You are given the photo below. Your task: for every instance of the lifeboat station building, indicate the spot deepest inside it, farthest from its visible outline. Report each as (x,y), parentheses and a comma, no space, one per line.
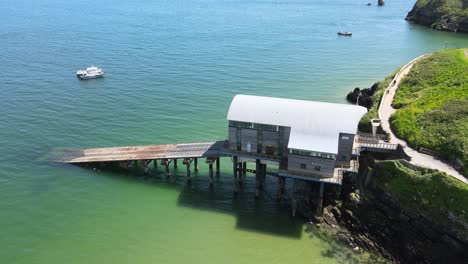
(304,140)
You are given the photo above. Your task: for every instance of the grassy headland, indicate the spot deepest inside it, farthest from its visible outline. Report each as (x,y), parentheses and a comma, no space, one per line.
(449,15)
(432,105)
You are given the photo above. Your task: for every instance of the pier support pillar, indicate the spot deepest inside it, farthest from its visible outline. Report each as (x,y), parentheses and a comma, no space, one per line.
(127,164)
(196,164)
(175,163)
(293,199)
(264,171)
(155,163)
(189,177)
(217,166)
(280,191)
(210,166)
(244,168)
(145,167)
(234,183)
(319,210)
(240,170)
(166,163)
(338,192)
(258,169)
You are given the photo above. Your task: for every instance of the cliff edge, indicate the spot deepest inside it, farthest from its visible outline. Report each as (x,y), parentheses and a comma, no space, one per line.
(447,15)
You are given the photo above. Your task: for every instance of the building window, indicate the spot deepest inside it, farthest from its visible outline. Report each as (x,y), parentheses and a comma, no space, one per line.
(265,127)
(312,154)
(317,168)
(344,157)
(345,137)
(303,166)
(241,124)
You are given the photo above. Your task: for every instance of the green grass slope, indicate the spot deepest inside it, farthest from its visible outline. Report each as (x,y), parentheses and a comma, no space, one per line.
(432,105)
(427,191)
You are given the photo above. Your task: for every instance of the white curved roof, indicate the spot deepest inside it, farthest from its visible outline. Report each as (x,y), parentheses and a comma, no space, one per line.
(315,126)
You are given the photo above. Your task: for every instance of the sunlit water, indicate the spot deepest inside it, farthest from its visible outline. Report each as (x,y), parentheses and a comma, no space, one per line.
(173,68)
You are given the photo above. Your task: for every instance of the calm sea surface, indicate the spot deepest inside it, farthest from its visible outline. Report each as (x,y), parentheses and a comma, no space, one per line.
(173,68)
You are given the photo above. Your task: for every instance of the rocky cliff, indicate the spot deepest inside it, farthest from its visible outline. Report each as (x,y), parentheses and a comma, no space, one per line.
(378,220)
(447,15)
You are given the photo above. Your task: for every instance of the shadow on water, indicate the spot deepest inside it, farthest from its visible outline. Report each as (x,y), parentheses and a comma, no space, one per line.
(263,215)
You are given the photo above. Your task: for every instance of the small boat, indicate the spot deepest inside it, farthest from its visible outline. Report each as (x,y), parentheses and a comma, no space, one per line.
(90,73)
(345,33)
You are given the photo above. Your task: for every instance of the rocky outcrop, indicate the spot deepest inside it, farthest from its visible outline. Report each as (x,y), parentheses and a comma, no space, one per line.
(377,222)
(441,14)
(362,97)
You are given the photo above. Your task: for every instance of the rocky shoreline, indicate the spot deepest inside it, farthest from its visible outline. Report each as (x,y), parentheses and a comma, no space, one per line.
(371,219)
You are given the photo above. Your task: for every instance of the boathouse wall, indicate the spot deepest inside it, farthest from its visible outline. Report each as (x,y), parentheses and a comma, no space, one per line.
(345,147)
(311,165)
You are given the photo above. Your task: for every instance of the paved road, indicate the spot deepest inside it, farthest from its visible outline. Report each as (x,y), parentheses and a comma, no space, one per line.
(386,110)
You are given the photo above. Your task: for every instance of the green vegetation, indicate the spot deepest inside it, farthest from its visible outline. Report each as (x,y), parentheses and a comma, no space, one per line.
(449,15)
(432,103)
(364,123)
(448,7)
(432,192)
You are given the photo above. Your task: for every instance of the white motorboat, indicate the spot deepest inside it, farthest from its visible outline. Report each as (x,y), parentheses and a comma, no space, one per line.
(90,73)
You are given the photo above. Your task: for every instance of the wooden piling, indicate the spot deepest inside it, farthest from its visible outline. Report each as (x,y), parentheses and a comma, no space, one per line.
(319,210)
(241,173)
(189,178)
(217,166)
(145,167)
(155,163)
(263,178)
(175,163)
(338,192)
(210,166)
(234,187)
(244,168)
(280,191)
(196,164)
(257,177)
(293,199)
(166,163)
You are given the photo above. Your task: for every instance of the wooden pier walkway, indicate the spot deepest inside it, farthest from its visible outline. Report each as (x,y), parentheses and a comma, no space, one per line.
(147,152)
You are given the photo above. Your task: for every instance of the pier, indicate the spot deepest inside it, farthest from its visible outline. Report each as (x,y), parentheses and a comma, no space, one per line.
(315,147)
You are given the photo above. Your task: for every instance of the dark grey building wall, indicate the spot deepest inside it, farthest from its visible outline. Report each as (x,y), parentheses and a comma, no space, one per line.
(233,138)
(249,136)
(270,138)
(327,166)
(345,147)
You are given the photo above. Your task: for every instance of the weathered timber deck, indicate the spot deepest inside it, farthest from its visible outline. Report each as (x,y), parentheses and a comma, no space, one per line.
(147,152)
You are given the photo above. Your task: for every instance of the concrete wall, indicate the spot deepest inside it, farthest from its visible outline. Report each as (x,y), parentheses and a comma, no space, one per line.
(327,166)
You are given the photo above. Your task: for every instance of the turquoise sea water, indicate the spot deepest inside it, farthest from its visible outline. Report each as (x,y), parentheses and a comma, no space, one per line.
(173,69)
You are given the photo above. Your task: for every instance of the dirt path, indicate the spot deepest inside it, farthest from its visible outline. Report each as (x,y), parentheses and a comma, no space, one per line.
(386,110)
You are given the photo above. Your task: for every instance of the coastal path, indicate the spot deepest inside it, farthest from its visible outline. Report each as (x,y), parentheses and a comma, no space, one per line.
(386,110)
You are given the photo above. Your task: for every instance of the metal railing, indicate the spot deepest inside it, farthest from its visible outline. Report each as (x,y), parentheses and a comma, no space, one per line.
(379,146)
